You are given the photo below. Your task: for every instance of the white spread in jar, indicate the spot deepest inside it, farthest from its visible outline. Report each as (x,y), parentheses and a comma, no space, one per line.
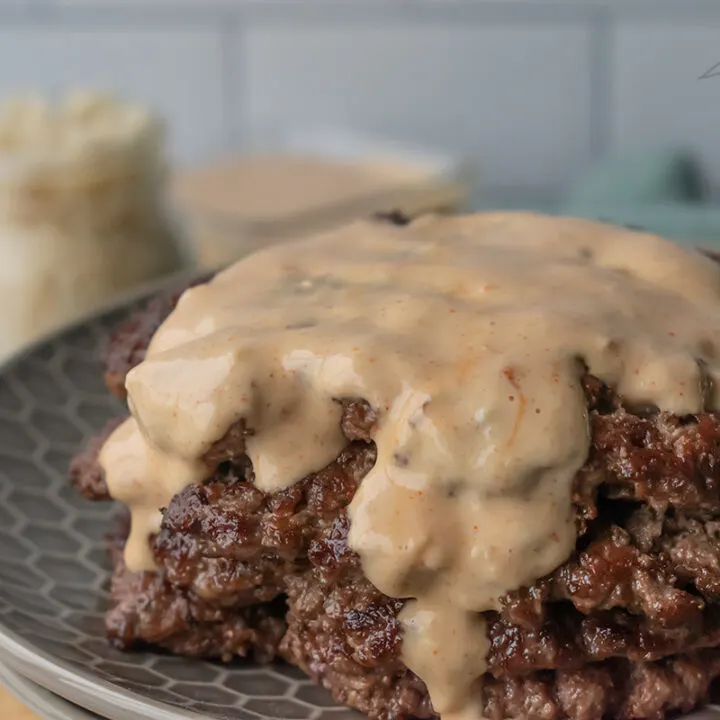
(82,215)
(470,337)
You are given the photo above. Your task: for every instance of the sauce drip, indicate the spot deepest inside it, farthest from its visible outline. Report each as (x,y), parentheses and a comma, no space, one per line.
(470,337)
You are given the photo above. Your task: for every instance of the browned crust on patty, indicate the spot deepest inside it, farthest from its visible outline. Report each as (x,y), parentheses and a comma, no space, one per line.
(628,627)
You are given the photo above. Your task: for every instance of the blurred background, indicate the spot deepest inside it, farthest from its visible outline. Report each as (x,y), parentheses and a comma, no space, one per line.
(238,124)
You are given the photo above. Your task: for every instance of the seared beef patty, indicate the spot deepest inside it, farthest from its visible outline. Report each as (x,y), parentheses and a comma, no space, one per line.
(628,627)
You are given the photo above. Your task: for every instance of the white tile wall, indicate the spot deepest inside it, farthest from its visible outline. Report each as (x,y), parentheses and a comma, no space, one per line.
(178,71)
(530,88)
(515,97)
(657,97)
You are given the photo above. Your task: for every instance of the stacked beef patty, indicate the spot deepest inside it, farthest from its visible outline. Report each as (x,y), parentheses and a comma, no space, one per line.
(628,627)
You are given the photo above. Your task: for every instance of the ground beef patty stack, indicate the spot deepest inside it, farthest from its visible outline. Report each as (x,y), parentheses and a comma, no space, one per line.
(464,467)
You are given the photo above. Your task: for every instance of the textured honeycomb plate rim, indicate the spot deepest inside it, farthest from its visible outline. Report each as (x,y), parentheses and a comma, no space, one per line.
(76,686)
(40,701)
(54,564)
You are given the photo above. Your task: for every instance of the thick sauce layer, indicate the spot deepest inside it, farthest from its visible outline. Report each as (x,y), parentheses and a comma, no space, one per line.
(470,336)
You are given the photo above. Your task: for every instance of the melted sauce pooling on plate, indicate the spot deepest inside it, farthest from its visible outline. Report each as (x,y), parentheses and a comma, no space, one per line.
(470,337)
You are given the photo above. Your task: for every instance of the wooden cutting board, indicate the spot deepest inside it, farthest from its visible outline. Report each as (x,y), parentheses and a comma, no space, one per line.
(12,709)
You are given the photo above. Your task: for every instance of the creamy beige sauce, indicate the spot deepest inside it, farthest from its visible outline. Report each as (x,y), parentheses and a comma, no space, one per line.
(271,188)
(470,336)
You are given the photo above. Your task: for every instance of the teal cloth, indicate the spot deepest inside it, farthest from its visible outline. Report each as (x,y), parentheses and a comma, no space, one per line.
(638,178)
(657,190)
(690,223)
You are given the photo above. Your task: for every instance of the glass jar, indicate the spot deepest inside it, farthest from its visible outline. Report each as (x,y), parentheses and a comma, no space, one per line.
(240,205)
(82,210)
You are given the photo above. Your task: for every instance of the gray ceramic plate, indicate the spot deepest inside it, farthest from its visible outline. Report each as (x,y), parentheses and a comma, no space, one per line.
(42,702)
(54,566)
